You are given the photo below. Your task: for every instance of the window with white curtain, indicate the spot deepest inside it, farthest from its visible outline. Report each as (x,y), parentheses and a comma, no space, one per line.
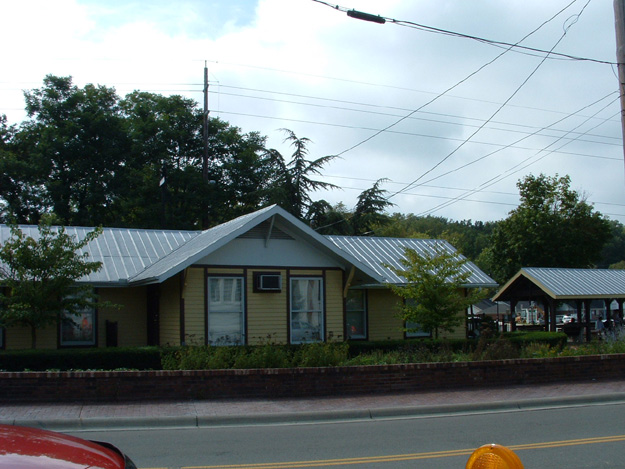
(356,314)
(306,310)
(225,311)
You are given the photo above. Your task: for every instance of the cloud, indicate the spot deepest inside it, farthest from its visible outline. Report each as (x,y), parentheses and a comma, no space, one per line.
(338,81)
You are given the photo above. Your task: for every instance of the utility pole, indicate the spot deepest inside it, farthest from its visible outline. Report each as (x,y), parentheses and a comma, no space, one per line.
(205,205)
(619,22)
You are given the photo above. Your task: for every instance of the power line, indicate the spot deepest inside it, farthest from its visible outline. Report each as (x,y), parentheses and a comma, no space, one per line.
(515,169)
(516,47)
(523,83)
(412,134)
(616,140)
(446,91)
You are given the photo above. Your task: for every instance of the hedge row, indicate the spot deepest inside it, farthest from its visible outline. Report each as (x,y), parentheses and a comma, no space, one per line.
(519,339)
(262,356)
(135,358)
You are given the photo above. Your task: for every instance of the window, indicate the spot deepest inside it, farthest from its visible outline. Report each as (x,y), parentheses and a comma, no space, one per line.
(413,329)
(306,310)
(79,329)
(356,314)
(225,311)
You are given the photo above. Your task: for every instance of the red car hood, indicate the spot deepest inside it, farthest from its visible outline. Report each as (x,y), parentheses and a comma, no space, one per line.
(30,448)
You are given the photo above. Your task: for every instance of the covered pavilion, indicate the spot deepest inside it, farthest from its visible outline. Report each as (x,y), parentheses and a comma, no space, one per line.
(550,286)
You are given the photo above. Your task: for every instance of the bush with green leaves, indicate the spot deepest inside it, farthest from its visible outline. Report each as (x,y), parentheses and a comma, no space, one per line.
(114,358)
(321,354)
(264,356)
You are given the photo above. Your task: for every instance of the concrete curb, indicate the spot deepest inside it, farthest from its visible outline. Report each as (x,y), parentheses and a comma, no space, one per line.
(305,417)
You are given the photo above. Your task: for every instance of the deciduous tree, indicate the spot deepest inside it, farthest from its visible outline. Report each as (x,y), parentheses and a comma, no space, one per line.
(553,226)
(39,274)
(434,292)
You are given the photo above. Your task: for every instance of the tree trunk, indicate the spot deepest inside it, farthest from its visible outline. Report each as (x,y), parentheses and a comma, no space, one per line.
(33,337)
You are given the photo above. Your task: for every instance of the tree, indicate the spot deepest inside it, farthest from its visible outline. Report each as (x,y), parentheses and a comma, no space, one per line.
(434,289)
(39,275)
(77,141)
(292,183)
(369,211)
(613,252)
(326,219)
(20,180)
(552,227)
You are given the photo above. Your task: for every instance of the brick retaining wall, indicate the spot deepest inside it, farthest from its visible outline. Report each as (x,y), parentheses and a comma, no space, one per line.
(211,384)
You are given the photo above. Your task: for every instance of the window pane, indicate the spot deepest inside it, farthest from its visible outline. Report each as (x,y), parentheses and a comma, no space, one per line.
(306,295)
(414,330)
(306,310)
(225,329)
(225,311)
(306,327)
(78,329)
(356,325)
(356,316)
(355,300)
(225,294)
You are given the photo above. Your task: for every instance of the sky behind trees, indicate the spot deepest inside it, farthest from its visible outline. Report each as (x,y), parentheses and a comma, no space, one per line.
(455,141)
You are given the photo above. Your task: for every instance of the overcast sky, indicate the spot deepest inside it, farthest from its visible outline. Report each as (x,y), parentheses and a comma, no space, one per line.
(463,119)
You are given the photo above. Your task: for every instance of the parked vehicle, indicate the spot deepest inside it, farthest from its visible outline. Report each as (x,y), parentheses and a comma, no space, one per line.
(33,448)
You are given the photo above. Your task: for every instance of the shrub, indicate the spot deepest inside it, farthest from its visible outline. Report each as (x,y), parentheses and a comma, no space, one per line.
(199,357)
(321,354)
(264,356)
(540,350)
(131,358)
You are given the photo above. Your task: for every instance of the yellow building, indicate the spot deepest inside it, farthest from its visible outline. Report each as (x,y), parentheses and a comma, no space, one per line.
(262,277)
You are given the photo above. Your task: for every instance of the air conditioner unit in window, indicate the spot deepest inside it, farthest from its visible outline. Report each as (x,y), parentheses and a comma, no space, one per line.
(269,282)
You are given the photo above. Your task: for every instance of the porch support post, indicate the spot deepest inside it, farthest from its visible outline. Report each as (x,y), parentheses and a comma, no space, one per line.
(578,305)
(513,304)
(552,314)
(588,329)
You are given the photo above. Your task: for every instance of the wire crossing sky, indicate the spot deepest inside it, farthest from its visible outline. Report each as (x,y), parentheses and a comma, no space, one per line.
(438,101)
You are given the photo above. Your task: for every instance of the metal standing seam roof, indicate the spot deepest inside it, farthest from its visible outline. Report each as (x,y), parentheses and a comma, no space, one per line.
(560,283)
(213,238)
(123,252)
(376,252)
(202,244)
(137,256)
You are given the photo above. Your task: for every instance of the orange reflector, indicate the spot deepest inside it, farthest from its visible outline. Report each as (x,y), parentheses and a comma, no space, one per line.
(493,457)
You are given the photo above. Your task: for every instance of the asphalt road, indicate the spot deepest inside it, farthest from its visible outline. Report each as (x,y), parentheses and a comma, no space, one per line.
(584,436)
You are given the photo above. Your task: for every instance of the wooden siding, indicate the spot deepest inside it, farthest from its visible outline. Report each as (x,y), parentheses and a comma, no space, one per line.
(130,316)
(384,324)
(19,338)
(129,311)
(335,330)
(382,314)
(169,311)
(267,312)
(194,307)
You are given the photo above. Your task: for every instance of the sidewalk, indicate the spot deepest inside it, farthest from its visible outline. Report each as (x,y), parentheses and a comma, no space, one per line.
(76,416)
